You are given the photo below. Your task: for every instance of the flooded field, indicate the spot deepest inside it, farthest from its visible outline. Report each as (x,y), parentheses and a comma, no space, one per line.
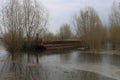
(59,65)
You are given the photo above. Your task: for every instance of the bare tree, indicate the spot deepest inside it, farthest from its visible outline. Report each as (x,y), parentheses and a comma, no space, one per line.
(22,20)
(115,25)
(11,25)
(34,18)
(65,32)
(89,28)
(49,36)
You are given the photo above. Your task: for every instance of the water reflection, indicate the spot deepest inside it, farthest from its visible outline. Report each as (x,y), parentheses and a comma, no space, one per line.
(54,65)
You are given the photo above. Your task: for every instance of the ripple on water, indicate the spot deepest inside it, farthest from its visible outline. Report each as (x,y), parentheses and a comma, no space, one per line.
(70,65)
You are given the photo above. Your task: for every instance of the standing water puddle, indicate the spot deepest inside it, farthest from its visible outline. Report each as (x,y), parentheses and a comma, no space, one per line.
(59,65)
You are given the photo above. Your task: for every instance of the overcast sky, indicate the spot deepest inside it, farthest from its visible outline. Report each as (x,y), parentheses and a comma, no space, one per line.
(62,11)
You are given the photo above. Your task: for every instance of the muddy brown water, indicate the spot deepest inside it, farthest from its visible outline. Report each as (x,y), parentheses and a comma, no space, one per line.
(59,65)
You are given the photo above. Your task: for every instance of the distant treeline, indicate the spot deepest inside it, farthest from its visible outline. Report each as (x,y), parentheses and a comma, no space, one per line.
(88,28)
(24,24)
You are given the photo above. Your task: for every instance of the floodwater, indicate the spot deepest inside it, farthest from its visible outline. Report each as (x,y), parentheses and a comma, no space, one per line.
(59,65)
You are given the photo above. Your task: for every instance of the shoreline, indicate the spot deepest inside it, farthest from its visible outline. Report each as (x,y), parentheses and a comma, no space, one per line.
(55,45)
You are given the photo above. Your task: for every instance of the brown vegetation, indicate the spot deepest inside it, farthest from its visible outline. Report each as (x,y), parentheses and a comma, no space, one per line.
(49,36)
(22,21)
(64,32)
(114,30)
(89,28)
(23,26)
